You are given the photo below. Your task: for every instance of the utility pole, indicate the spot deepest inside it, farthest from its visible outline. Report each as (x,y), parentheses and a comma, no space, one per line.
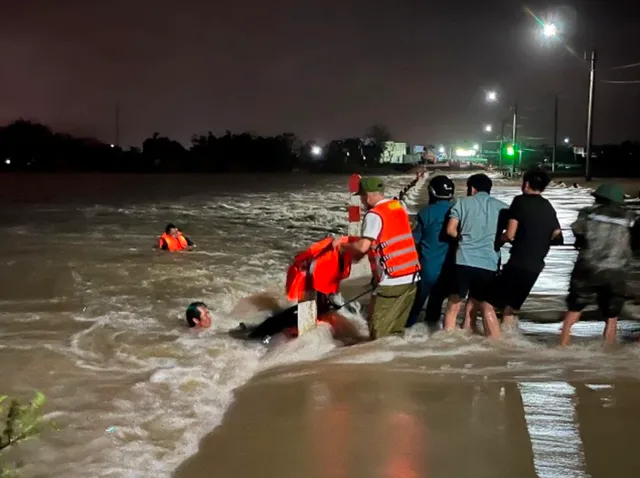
(592,84)
(515,134)
(118,125)
(502,125)
(555,133)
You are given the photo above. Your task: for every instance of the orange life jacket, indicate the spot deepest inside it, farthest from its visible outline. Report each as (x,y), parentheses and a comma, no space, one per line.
(394,249)
(173,243)
(321,267)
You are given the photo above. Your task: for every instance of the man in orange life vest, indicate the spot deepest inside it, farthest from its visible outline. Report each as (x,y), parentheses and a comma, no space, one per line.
(173,240)
(388,241)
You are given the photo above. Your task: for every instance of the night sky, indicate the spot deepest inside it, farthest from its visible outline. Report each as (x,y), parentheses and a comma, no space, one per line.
(321,69)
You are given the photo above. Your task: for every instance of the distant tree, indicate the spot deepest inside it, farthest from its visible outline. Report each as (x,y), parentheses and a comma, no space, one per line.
(375,138)
(163,153)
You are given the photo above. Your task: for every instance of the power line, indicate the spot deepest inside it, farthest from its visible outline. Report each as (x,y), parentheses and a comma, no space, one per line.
(622,67)
(621,82)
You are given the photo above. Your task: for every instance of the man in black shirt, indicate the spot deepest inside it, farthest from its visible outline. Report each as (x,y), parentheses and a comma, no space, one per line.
(532,227)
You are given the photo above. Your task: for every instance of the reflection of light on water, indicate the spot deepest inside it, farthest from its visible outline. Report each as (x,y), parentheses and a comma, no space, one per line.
(557,447)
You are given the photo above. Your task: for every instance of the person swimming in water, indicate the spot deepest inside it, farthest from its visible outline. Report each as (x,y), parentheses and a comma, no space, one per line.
(198,315)
(173,240)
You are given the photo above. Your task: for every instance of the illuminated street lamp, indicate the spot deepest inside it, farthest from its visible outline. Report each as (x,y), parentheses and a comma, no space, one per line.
(316,150)
(492,96)
(441,149)
(550,30)
(488,128)
(567,140)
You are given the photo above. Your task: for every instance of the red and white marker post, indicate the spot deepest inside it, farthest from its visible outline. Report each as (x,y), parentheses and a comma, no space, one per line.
(361,268)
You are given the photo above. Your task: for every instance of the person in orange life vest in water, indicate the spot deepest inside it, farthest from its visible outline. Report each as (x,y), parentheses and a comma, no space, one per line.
(387,240)
(198,315)
(173,240)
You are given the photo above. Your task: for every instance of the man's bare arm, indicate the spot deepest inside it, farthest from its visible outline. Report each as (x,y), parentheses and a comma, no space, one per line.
(452,227)
(358,248)
(510,234)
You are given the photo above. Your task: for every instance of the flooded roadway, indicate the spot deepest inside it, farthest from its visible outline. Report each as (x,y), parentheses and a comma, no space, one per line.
(92,317)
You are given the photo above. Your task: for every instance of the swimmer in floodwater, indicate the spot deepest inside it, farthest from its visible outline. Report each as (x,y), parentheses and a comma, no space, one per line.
(198,315)
(173,240)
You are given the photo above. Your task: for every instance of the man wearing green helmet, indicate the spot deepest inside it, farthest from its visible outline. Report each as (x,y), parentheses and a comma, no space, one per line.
(603,238)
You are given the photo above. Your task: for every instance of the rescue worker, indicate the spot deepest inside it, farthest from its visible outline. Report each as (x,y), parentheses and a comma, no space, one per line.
(173,240)
(433,245)
(198,315)
(387,240)
(603,239)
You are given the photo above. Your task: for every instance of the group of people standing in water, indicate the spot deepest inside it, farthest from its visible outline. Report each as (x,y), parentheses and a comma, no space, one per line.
(453,254)
(459,246)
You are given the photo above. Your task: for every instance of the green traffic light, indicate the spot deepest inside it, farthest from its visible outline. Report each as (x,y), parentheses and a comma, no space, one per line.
(511,151)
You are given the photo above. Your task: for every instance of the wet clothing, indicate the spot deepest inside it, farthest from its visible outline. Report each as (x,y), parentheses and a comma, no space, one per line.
(286,319)
(609,292)
(479,216)
(603,237)
(165,246)
(537,220)
(391,309)
(433,245)
(473,282)
(511,287)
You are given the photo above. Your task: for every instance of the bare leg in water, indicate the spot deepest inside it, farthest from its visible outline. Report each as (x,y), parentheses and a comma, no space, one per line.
(451,312)
(490,321)
(610,330)
(509,318)
(471,309)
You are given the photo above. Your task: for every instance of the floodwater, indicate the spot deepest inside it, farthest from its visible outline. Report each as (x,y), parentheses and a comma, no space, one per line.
(93,316)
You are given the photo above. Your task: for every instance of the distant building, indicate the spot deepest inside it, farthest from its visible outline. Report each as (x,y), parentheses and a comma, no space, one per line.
(393,152)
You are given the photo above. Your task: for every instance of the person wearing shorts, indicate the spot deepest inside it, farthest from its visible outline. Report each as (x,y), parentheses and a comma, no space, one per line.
(473,223)
(603,237)
(531,228)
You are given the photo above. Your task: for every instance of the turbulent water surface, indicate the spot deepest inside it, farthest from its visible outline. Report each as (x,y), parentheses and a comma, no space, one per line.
(93,316)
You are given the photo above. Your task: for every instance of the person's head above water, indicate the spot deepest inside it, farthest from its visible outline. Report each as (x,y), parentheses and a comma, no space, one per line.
(371,191)
(479,183)
(198,315)
(535,181)
(171,230)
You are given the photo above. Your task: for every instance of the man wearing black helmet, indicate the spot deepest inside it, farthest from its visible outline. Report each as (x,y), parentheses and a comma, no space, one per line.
(432,245)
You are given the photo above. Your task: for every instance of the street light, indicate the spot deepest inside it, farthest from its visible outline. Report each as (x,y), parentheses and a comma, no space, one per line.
(488,128)
(441,149)
(567,140)
(316,150)
(492,97)
(550,30)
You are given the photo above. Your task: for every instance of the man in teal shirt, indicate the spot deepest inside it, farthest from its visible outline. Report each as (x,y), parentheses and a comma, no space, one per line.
(474,223)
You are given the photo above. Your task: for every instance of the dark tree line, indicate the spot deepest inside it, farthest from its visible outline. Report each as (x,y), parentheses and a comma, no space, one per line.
(28,146)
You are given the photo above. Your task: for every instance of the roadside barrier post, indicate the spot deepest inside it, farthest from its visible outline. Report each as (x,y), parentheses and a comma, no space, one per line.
(307,313)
